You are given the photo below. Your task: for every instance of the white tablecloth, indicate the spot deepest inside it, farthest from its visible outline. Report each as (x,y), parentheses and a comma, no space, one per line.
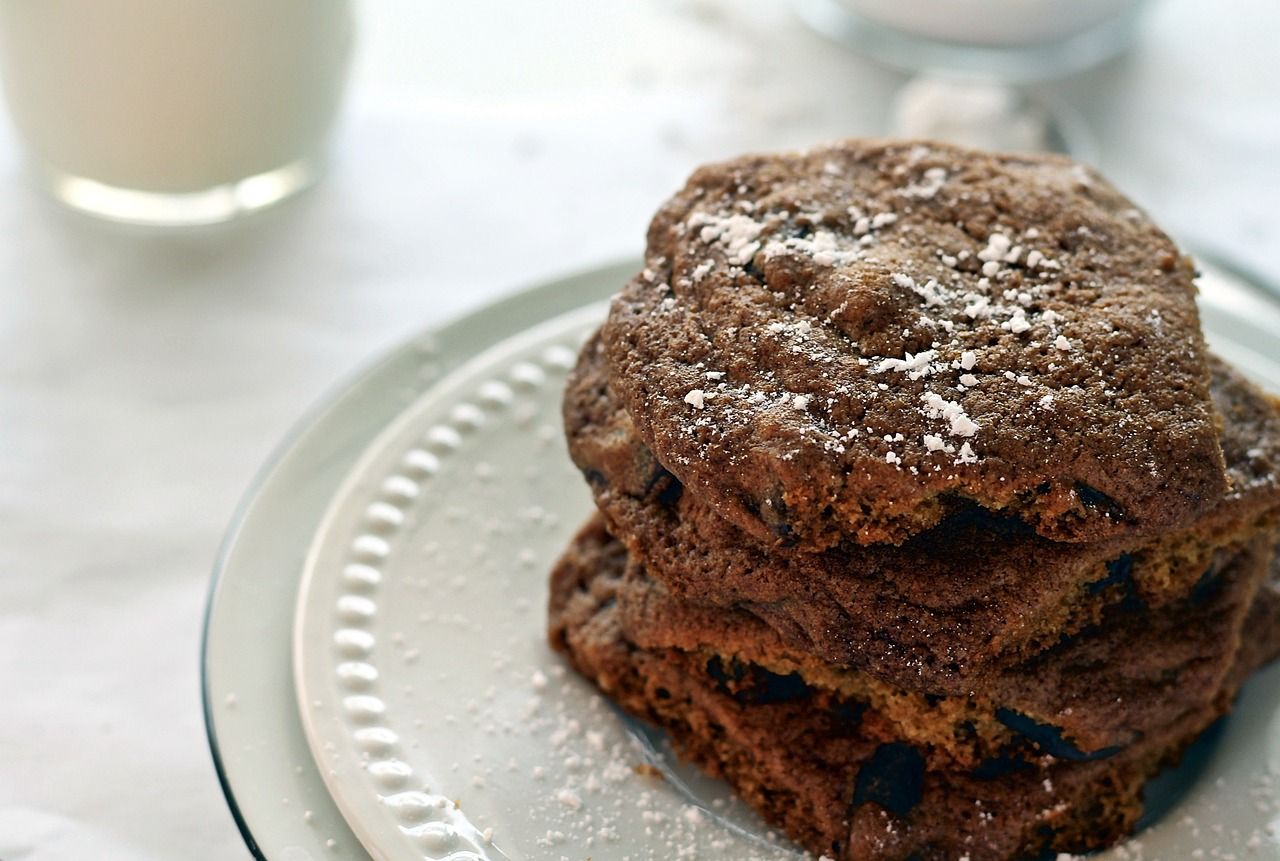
(485,145)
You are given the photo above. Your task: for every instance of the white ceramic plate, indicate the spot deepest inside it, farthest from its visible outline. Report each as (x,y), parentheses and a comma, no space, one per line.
(443,725)
(263,762)
(423,670)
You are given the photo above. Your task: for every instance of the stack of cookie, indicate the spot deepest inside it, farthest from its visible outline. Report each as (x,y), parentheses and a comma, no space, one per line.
(925,518)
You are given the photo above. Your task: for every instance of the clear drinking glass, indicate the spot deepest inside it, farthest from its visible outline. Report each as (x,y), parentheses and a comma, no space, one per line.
(974,59)
(174,112)
(1014,40)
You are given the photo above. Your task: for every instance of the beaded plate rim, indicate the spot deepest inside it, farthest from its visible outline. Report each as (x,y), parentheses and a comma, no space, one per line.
(435,427)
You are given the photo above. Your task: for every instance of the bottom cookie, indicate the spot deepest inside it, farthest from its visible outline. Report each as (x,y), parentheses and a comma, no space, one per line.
(812,763)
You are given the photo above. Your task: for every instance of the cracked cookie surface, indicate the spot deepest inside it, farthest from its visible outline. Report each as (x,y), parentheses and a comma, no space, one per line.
(847,343)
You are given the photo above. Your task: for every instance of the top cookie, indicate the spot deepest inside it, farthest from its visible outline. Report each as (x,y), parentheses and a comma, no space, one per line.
(851,341)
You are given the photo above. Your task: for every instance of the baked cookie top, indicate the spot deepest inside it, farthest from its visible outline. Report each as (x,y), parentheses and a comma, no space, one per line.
(848,342)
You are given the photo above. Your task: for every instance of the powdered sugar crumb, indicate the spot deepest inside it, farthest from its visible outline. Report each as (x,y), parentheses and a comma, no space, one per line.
(569,799)
(936,443)
(998,245)
(1018,323)
(937,406)
(932,182)
(914,365)
(736,234)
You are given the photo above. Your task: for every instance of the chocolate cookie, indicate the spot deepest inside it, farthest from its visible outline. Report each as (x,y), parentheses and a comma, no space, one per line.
(819,764)
(942,610)
(851,343)
(1087,697)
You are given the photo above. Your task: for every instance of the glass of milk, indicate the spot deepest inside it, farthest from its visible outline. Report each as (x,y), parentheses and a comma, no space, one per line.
(174,112)
(1015,40)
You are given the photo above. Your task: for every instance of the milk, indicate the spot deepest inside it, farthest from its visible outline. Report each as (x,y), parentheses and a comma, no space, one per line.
(992,23)
(173,96)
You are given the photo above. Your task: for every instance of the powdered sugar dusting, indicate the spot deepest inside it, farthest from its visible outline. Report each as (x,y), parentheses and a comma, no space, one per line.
(823,247)
(938,407)
(737,233)
(914,366)
(932,182)
(981,321)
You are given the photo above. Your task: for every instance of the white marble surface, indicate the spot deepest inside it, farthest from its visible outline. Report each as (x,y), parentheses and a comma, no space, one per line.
(485,145)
